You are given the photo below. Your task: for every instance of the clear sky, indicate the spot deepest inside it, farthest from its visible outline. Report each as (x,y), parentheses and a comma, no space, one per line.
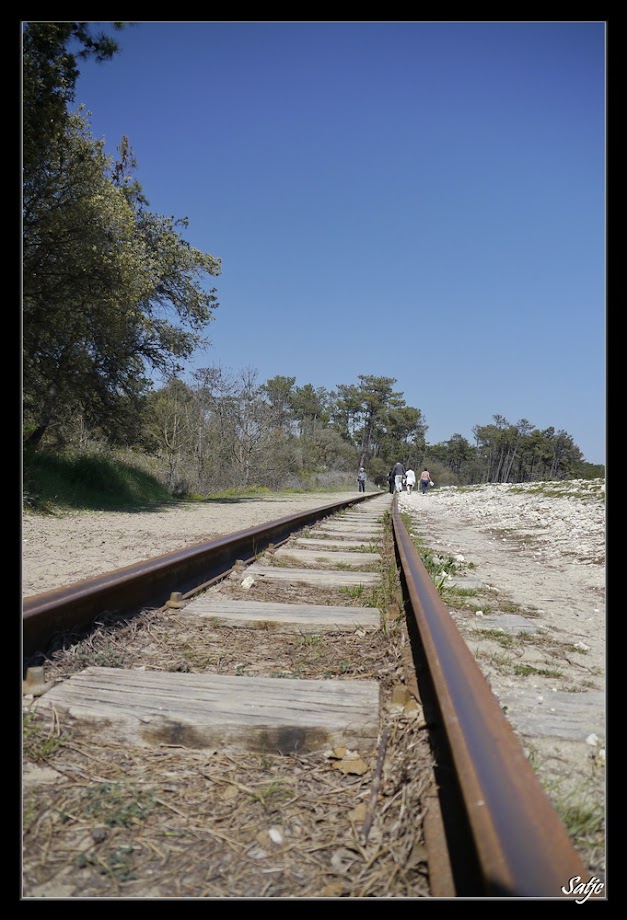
(416,200)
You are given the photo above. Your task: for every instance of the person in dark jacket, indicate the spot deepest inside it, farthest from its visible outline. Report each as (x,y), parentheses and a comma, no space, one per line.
(399,475)
(391,479)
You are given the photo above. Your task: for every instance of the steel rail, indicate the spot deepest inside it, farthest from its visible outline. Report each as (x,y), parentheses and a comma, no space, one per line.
(521,849)
(151,582)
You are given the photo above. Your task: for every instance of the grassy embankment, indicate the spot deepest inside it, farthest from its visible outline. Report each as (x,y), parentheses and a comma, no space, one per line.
(99,483)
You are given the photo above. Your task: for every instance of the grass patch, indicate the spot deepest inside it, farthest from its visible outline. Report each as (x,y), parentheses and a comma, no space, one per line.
(526,670)
(356,591)
(271,794)
(439,566)
(40,743)
(119,865)
(89,483)
(496,659)
(506,640)
(311,641)
(117,805)
(583,822)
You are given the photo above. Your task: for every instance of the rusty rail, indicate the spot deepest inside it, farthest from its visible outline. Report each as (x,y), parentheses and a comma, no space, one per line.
(521,849)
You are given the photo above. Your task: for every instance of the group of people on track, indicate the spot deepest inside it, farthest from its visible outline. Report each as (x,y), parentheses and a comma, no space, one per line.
(400,479)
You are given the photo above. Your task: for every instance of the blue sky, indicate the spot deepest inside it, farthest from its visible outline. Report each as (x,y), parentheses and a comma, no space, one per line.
(416,200)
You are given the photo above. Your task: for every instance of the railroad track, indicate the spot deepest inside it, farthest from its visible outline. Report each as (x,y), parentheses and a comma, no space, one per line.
(286,712)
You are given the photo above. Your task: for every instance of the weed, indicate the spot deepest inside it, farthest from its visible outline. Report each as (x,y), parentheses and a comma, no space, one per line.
(506,640)
(353,590)
(271,794)
(471,608)
(311,640)
(40,745)
(509,607)
(500,662)
(452,595)
(580,820)
(119,865)
(116,805)
(584,822)
(29,813)
(525,670)
(101,658)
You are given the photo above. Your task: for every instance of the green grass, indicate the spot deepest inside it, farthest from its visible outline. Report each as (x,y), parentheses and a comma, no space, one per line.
(40,743)
(55,483)
(438,566)
(507,640)
(52,483)
(117,805)
(526,670)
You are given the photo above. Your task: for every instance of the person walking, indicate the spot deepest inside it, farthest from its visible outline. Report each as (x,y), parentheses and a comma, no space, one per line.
(425,480)
(391,480)
(399,472)
(410,480)
(361,479)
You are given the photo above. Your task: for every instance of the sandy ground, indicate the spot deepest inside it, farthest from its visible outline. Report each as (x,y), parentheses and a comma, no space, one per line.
(62,549)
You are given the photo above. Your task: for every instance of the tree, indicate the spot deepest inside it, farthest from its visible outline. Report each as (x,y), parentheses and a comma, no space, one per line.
(310,408)
(50,71)
(174,426)
(522,428)
(111,291)
(279,392)
(84,274)
(377,401)
(404,434)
